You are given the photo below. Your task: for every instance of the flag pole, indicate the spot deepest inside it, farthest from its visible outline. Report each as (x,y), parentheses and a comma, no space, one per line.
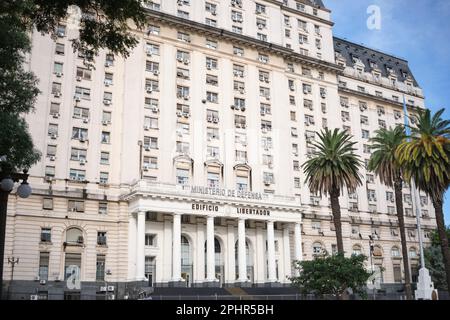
(425,286)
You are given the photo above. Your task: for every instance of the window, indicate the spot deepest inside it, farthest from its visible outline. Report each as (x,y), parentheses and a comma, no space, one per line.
(236,29)
(100,268)
(265,108)
(213,180)
(395,252)
(150,240)
(152,66)
(238,51)
(261,36)
(182,147)
(357,250)
(182,176)
(75,206)
(211,8)
(268,178)
(240,122)
(101,238)
(212,23)
(183,36)
(212,97)
(155,30)
(78,154)
(263,58)
(238,70)
(49,171)
(59,48)
(106,137)
(61,30)
(211,44)
(56,88)
(44,258)
(79,175)
(82,93)
(150,163)
(365,134)
(152,49)
(260,8)
(236,16)
(317,248)
(58,68)
(47,204)
(212,133)
(79,133)
(371,195)
(104,177)
(150,142)
(241,156)
(239,103)
(212,152)
(46,235)
(241,183)
(151,123)
(211,63)
(102,208)
(302,39)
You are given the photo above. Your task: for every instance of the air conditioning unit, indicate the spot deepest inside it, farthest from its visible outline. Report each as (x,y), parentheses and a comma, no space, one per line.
(103,289)
(106,102)
(82,139)
(241,91)
(57,94)
(186,114)
(146,127)
(215,120)
(110,288)
(186,61)
(105,122)
(34,297)
(54,136)
(56,115)
(264,130)
(58,74)
(186,97)
(42,282)
(156,72)
(108,64)
(149,89)
(77,98)
(209,119)
(292,88)
(267,182)
(52,158)
(82,162)
(85,120)
(154,109)
(146,167)
(78,78)
(260,26)
(214,13)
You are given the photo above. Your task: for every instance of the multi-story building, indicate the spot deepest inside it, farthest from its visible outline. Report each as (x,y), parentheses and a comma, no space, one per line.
(181,165)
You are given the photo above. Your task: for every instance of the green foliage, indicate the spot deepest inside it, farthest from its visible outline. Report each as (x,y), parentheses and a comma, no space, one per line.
(16,144)
(435,264)
(332,275)
(334,163)
(426,158)
(435,237)
(103,24)
(383,160)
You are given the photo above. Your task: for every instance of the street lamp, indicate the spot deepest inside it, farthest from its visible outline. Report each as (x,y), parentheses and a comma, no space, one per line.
(371,249)
(107,273)
(7,182)
(13,261)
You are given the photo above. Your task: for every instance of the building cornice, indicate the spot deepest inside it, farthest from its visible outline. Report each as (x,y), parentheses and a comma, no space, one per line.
(376,98)
(287,54)
(304,14)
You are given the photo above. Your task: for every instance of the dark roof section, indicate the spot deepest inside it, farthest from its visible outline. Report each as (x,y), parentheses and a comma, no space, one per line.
(350,50)
(318,3)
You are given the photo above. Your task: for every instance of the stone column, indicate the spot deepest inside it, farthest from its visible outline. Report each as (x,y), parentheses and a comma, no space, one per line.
(230,258)
(242,257)
(176,248)
(140,246)
(287,254)
(271,253)
(167,249)
(200,263)
(210,259)
(298,243)
(259,264)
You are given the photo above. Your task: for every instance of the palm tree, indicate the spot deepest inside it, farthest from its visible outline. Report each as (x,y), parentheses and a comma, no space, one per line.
(425,158)
(385,165)
(334,165)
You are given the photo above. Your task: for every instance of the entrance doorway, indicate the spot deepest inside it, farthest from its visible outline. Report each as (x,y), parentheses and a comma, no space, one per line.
(186,261)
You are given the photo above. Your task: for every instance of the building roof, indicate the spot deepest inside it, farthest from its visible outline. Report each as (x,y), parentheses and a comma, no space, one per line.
(352,52)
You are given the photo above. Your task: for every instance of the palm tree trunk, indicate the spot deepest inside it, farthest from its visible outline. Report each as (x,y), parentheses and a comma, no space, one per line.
(437,203)
(336,211)
(398,185)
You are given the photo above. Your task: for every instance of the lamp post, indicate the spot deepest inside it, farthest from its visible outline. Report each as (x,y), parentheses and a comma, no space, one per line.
(107,273)
(13,261)
(7,182)
(371,249)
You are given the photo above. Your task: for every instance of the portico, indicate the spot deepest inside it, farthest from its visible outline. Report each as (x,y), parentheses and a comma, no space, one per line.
(214,242)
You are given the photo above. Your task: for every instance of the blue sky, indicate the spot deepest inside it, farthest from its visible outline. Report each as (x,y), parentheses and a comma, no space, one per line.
(417,30)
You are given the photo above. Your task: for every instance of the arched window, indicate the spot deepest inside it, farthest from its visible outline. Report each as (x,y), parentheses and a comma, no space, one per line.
(243,175)
(74,235)
(412,253)
(357,250)
(317,248)
(395,252)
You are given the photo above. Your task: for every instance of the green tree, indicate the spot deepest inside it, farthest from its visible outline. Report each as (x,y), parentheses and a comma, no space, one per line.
(334,165)
(385,165)
(425,159)
(434,261)
(332,275)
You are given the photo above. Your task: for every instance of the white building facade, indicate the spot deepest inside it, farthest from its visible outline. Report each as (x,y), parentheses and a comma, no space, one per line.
(181,165)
